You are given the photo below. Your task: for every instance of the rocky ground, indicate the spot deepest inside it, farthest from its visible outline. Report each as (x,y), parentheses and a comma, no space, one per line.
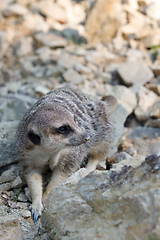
(102,48)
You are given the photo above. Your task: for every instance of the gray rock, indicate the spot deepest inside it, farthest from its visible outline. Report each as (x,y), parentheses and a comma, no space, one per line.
(129,161)
(123,95)
(24,46)
(156,69)
(107,204)
(15,9)
(118,117)
(133,72)
(153,123)
(82,69)
(68,61)
(10,228)
(145,140)
(146,99)
(122,156)
(155,110)
(11,108)
(10,76)
(27,68)
(8,153)
(39,71)
(154,85)
(72,76)
(106,77)
(53,71)
(5,186)
(9,173)
(49,39)
(17,182)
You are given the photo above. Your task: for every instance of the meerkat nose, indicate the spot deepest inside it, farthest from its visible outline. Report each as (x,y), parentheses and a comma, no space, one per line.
(86,138)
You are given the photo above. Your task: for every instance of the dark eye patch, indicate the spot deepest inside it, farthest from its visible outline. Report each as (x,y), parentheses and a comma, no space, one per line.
(34,138)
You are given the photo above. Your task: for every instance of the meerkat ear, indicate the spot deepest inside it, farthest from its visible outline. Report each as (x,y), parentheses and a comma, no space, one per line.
(34,137)
(112,102)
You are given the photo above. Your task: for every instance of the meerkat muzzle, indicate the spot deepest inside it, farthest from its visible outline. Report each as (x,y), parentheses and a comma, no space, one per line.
(86,138)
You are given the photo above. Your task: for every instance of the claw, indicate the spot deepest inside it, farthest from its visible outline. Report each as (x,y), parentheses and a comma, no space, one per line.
(35,217)
(35,212)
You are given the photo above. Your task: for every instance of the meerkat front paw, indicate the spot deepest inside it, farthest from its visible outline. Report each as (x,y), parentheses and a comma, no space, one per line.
(36,210)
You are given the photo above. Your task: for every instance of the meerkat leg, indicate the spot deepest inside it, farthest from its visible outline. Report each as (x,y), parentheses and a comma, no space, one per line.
(57,177)
(94,160)
(92,164)
(34,181)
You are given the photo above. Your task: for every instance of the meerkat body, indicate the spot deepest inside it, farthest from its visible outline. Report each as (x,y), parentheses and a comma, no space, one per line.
(60,131)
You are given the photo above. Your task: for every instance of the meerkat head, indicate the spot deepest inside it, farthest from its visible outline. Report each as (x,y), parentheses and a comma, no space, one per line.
(55,127)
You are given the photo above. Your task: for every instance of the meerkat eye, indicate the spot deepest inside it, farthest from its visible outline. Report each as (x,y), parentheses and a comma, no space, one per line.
(64,129)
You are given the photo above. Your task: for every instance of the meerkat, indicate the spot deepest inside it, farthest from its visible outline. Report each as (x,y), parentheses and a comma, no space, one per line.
(60,131)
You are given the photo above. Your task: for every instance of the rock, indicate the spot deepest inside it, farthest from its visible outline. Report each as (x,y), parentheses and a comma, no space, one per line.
(53,11)
(155,110)
(24,46)
(3,44)
(27,68)
(121,157)
(133,72)
(126,145)
(14,9)
(53,71)
(106,77)
(134,55)
(10,228)
(46,55)
(152,10)
(156,69)
(72,76)
(82,69)
(73,35)
(41,90)
(145,140)
(146,99)
(11,108)
(11,76)
(123,95)
(139,26)
(133,4)
(8,153)
(153,123)
(68,61)
(131,161)
(26,213)
(5,186)
(17,182)
(9,173)
(154,86)
(49,39)
(34,22)
(103,27)
(22,198)
(107,204)
(100,55)
(118,117)
(152,40)
(38,71)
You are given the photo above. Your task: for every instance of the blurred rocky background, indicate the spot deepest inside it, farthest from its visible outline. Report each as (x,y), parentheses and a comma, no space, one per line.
(103,47)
